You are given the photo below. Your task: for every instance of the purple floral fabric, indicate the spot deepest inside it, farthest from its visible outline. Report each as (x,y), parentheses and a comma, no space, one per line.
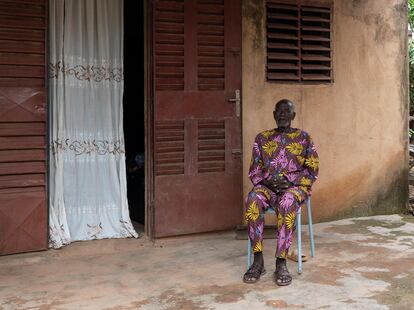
(294,156)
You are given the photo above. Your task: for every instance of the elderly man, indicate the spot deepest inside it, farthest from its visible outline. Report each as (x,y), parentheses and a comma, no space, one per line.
(283,168)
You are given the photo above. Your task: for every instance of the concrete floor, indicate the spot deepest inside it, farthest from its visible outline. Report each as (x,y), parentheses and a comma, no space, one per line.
(364,263)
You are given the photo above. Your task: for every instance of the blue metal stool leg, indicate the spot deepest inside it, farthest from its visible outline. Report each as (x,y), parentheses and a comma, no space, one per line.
(299,228)
(312,243)
(249,253)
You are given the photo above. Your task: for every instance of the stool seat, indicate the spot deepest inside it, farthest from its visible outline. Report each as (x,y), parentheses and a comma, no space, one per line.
(299,230)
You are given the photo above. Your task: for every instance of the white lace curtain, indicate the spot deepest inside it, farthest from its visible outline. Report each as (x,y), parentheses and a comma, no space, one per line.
(87,161)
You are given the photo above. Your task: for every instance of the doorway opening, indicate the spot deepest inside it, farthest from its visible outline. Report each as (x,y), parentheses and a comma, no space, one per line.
(134,110)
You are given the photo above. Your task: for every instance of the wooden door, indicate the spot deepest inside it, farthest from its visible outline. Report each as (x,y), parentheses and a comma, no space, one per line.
(23,207)
(197,130)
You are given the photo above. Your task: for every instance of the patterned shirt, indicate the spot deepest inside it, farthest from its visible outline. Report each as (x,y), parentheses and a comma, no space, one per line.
(292,154)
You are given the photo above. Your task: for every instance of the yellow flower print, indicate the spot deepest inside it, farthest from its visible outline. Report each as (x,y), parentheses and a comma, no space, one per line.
(258,247)
(301,160)
(283,254)
(304,189)
(295,148)
(268,133)
(253,212)
(270,147)
(279,221)
(261,165)
(297,195)
(312,162)
(305,182)
(294,134)
(264,191)
(290,220)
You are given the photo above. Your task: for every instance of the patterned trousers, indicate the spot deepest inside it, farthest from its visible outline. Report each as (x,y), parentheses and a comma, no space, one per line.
(286,206)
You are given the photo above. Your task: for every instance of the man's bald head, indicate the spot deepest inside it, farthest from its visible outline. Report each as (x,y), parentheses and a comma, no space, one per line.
(284,113)
(285,102)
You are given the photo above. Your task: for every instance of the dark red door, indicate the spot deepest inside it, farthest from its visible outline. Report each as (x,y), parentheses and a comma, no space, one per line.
(197,129)
(23,207)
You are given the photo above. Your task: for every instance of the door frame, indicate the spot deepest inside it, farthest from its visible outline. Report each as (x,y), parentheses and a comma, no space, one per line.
(48,123)
(149,118)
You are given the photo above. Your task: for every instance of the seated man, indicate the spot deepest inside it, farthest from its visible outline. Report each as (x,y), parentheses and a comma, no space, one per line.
(283,168)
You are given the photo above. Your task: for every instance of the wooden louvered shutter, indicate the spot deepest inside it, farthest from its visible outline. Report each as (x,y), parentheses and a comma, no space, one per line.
(23,206)
(210,45)
(299,37)
(169,76)
(211,146)
(283,59)
(169,45)
(169,148)
(197,132)
(316,53)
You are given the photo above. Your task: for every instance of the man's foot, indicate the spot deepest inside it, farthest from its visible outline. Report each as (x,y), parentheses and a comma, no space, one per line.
(253,274)
(282,275)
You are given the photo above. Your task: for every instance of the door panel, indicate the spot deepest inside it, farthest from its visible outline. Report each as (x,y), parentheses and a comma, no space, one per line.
(23,218)
(197,132)
(23,200)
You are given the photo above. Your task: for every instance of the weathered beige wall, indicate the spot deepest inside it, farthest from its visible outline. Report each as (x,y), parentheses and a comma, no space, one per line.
(359,123)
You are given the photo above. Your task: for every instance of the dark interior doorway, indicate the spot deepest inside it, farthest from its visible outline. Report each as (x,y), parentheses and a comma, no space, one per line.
(134,117)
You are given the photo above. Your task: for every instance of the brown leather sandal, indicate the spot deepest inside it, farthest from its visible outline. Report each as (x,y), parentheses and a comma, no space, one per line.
(253,274)
(282,276)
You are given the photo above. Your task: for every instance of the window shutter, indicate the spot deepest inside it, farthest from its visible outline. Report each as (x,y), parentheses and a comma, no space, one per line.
(316,50)
(298,43)
(283,42)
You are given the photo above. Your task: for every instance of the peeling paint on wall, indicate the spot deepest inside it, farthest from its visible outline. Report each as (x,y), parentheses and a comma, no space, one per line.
(253,11)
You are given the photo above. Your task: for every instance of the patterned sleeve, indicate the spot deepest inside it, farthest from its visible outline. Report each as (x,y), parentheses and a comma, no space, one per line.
(310,166)
(256,173)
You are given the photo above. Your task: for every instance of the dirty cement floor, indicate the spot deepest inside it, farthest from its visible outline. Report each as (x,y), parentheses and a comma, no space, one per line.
(363,263)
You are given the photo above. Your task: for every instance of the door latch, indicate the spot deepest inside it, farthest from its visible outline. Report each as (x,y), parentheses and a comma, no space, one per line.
(236,100)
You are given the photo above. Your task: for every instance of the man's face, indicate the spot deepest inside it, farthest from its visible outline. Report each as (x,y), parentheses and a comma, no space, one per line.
(283,115)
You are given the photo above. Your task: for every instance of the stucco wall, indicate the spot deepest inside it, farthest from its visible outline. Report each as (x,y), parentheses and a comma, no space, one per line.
(359,122)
